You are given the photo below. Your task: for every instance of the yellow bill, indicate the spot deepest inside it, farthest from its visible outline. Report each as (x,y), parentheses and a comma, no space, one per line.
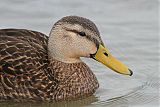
(104,56)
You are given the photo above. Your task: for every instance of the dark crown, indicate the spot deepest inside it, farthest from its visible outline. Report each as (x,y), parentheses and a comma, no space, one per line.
(86,23)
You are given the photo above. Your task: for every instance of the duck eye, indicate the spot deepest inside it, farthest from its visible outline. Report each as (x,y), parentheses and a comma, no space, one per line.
(82,33)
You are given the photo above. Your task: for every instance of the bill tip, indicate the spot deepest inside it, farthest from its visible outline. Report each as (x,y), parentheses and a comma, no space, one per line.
(131,72)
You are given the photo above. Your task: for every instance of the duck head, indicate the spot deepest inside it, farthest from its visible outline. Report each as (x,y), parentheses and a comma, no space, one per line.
(73,37)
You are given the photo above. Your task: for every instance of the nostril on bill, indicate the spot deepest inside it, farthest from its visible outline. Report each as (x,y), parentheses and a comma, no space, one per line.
(105,54)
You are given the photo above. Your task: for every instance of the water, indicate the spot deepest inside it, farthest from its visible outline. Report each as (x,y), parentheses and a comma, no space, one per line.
(129,29)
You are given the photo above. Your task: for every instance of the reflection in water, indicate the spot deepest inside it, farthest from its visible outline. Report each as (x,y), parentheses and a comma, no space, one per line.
(77,103)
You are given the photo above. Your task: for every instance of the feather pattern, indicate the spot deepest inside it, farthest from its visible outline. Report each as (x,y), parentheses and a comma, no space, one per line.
(26,73)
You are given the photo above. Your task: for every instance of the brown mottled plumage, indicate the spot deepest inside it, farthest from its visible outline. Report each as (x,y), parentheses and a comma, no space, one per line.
(27,73)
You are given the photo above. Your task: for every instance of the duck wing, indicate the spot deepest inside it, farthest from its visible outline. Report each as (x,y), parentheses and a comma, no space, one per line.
(22,51)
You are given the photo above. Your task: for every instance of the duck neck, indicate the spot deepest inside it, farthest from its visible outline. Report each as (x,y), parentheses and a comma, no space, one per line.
(73,80)
(71,77)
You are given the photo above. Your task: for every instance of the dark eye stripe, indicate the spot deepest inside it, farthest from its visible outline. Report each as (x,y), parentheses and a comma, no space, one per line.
(82,33)
(87,36)
(75,31)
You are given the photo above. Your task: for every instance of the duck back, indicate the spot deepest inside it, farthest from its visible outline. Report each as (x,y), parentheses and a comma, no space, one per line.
(23,60)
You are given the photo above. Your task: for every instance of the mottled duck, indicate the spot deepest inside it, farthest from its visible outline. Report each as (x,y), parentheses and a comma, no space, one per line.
(35,67)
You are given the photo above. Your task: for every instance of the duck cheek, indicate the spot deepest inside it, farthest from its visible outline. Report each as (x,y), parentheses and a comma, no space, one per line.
(93,50)
(87,52)
(84,53)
